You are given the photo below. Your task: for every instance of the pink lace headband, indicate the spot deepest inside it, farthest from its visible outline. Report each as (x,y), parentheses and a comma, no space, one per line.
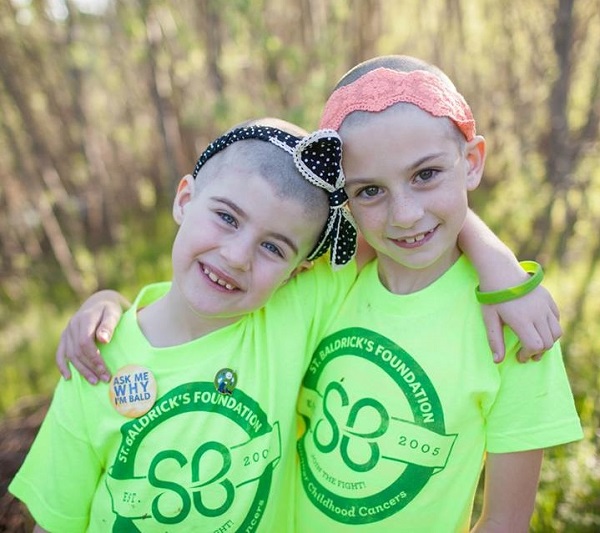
(381,88)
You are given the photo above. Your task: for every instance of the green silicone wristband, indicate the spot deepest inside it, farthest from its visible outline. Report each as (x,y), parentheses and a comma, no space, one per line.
(536,275)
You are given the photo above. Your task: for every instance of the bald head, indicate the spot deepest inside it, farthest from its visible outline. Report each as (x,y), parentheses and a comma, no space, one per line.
(272,163)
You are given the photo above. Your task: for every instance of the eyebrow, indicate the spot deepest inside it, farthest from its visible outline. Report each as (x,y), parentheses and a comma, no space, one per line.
(240,212)
(426,158)
(362,180)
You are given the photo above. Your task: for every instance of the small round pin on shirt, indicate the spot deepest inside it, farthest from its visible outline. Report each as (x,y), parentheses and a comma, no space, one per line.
(132,390)
(225,381)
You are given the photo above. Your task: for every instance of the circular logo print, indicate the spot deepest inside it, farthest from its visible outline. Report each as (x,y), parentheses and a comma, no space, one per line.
(197,456)
(375,430)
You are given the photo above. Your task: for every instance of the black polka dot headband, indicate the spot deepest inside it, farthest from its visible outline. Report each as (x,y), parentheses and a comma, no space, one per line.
(318,158)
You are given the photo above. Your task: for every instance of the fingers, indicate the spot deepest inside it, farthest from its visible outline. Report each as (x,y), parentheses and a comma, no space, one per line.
(86,368)
(61,358)
(81,347)
(495,335)
(535,320)
(89,361)
(108,323)
(71,348)
(554,326)
(532,347)
(553,308)
(95,321)
(540,339)
(77,345)
(535,339)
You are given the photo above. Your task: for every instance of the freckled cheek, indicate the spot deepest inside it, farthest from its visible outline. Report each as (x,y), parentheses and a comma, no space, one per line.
(357,209)
(450,206)
(367,218)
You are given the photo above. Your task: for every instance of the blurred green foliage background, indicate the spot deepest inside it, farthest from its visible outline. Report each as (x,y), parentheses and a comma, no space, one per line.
(105,104)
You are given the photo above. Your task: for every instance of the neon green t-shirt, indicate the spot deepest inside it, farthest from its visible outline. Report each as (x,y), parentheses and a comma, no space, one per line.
(198,460)
(402,400)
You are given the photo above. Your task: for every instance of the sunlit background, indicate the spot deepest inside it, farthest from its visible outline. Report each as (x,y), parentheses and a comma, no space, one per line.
(105,104)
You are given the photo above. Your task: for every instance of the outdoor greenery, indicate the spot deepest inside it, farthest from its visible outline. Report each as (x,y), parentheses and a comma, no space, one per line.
(105,104)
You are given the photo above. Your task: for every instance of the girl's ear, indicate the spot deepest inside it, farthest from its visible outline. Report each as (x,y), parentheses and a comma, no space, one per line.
(185,193)
(475,155)
(302,267)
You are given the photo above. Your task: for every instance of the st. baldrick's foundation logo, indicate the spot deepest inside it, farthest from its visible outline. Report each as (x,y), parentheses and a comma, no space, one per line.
(375,435)
(189,480)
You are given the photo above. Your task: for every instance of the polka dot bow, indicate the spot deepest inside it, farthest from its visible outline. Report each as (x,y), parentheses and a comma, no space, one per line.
(318,158)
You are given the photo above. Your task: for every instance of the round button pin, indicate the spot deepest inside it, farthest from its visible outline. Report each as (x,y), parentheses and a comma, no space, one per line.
(225,381)
(132,390)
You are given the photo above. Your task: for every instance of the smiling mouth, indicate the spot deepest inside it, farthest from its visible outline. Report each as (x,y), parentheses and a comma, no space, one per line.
(415,239)
(217,280)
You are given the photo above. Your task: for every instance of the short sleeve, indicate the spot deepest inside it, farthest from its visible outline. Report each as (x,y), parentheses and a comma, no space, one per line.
(534,407)
(59,476)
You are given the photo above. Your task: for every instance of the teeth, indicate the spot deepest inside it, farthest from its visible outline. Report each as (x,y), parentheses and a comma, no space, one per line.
(213,277)
(412,240)
(224,284)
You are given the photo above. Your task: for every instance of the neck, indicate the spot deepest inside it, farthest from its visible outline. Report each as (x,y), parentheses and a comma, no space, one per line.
(169,321)
(402,279)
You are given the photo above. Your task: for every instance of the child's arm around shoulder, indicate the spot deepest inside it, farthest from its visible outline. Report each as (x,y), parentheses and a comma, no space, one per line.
(94,321)
(533,317)
(511,481)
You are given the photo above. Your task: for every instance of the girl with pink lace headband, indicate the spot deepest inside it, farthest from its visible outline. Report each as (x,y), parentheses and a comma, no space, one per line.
(381,88)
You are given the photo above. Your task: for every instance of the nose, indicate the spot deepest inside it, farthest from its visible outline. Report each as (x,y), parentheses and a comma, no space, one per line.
(237,252)
(405,210)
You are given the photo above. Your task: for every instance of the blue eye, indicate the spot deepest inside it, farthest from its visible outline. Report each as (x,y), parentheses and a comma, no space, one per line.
(427,174)
(369,192)
(227,218)
(272,248)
